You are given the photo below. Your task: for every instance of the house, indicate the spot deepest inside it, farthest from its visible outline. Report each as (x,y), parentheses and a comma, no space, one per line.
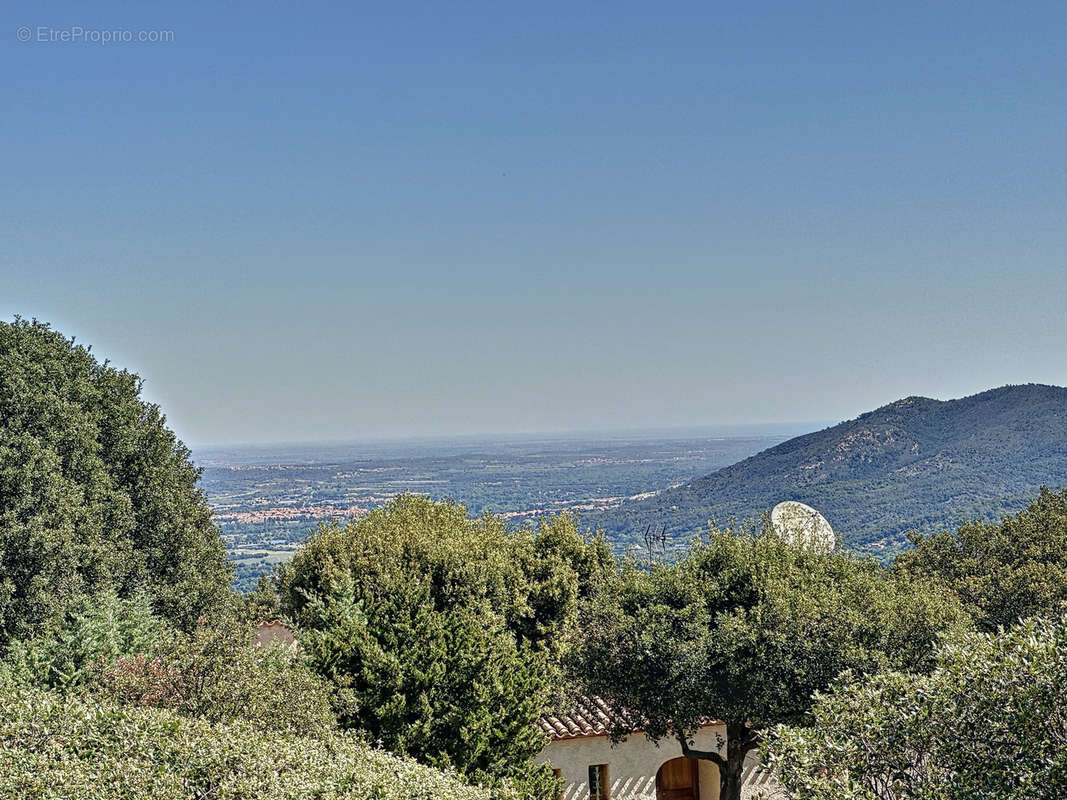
(581,752)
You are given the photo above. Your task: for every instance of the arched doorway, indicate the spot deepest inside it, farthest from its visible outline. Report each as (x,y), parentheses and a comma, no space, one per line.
(677,780)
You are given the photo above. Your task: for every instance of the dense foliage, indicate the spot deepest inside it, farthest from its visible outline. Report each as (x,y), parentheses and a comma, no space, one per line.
(217,672)
(916,464)
(91,637)
(1005,571)
(990,723)
(441,633)
(116,703)
(66,748)
(95,491)
(110,648)
(129,669)
(744,629)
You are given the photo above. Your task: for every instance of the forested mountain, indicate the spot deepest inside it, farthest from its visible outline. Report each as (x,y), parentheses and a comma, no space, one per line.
(916,464)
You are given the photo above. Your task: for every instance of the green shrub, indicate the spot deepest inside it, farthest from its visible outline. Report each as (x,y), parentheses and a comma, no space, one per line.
(93,634)
(114,648)
(67,748)
(218,673)
(990,723)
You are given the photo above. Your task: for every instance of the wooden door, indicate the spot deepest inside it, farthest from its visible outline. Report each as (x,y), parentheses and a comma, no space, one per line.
(677,780)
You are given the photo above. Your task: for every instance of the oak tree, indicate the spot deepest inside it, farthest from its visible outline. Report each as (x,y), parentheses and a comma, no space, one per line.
(96,492)
(744,629)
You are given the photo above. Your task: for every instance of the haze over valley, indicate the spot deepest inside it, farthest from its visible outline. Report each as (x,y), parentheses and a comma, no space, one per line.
(266,499)
(913,464)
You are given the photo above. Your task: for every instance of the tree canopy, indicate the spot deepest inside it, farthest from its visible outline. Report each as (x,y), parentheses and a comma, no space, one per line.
(989,723)
(95,491)
(441,634)
(744,629)
(1003,572)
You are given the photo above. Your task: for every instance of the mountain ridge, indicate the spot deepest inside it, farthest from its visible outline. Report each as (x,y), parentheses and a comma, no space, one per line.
(916,463)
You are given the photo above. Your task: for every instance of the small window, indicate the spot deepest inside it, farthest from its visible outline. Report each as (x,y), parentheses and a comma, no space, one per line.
(599,785)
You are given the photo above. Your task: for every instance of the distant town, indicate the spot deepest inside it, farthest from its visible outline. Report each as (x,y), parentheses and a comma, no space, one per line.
(265,511)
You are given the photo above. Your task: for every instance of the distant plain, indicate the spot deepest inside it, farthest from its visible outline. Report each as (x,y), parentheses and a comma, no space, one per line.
(268,498)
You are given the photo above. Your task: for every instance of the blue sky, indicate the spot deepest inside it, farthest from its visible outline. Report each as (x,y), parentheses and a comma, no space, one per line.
(335,222)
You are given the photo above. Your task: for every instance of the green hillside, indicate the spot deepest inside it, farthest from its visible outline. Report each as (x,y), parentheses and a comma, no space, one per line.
(916,464)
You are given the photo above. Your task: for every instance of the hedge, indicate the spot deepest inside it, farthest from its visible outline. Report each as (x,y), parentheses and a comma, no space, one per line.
(56,748)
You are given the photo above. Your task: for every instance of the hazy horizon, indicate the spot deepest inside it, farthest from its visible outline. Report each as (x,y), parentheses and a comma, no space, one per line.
(769,429)
(754,430)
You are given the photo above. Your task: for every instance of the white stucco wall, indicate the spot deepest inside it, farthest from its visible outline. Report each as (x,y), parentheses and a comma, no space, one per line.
(632,764)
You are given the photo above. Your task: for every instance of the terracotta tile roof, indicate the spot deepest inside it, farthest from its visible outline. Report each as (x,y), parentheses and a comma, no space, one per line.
(274,631)
(590,716)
